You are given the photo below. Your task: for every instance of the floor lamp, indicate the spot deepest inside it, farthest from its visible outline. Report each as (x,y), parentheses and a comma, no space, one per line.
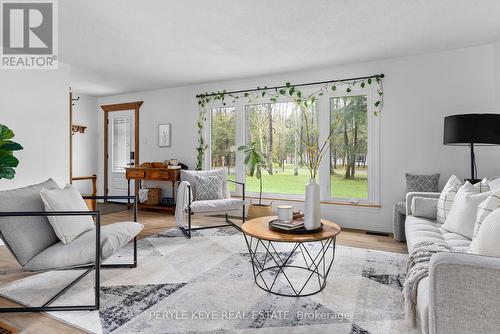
(472,130)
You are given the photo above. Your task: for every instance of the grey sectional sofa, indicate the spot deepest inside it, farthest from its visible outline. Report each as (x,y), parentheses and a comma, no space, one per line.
(462,292)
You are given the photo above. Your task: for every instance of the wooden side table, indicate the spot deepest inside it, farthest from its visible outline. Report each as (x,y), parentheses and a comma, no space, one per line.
(154,174)
(271,264)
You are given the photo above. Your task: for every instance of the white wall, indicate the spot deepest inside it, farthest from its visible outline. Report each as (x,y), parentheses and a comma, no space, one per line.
(160,106)
(34,104)
(419,92)
(86,145)
(497,63)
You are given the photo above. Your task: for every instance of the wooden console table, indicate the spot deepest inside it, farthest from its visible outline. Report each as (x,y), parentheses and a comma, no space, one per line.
(154,174)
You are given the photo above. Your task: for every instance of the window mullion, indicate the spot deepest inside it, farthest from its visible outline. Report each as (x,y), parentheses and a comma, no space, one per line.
(240,140)
(323,107)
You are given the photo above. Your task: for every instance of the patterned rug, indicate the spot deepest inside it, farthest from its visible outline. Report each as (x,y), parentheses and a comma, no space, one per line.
(206,285)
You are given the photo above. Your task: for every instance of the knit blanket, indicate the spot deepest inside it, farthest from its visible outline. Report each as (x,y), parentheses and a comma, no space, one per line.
(182,203)
(417,269)
(143,195)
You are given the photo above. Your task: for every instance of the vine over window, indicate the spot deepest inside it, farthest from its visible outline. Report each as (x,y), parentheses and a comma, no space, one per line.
(314,150)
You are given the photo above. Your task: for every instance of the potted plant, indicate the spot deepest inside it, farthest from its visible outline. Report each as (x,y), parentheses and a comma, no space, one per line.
(255,161)
(7,159)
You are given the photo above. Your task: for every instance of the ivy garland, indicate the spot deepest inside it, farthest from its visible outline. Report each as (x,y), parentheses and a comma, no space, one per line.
(274,94)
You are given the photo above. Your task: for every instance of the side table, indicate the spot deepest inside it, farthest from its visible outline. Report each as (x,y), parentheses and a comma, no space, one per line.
(273,257)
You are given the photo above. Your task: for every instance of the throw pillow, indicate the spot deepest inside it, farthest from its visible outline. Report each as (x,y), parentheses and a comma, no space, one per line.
(446,198)
(488,236)
(483,186)
(490,204)
(208,188)
(67,228)
(494,183)
(19,233)
(463,213)
(424,207)
(422,183)
(189,176)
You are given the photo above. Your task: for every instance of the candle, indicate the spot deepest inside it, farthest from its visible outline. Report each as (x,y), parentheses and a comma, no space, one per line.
(285,212)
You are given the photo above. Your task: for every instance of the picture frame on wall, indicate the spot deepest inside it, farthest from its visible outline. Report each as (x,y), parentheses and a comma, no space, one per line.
(164,134)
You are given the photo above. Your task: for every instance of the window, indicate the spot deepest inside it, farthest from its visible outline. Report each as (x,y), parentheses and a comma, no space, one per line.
(223,140)
(120,143)
(349,147)
(349,171)
(276,130)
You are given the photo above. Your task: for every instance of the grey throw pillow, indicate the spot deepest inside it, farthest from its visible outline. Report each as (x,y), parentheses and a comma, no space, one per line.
(189,176)
(422,183)
(208,188)
(424,207)
(26,236)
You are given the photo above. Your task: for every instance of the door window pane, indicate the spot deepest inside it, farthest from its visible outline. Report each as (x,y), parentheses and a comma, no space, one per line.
(120,148)
(349,147)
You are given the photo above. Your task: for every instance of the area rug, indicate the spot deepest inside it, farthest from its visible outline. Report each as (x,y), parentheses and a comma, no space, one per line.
(205,285)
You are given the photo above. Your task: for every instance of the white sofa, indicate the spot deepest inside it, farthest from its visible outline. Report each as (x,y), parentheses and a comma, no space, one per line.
(462,292)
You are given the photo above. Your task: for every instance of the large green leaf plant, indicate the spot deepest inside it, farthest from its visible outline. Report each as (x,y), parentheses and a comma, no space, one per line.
(7,147)
(255,161)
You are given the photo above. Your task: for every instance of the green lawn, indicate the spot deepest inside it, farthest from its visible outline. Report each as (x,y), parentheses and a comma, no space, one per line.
(287,183)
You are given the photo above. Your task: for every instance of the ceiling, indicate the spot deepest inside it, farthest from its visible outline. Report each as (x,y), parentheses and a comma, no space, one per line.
(118,46)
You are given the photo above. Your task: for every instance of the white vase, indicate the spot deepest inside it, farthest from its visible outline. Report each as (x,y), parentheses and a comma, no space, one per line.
(312,210)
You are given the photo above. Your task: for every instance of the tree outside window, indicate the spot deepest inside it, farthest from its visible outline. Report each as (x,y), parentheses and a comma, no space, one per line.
(349,147)
(276,130)
(223,140)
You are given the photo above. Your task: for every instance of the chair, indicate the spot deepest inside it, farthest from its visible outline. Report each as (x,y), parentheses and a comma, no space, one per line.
(27,233)
(91,203)
(224,206)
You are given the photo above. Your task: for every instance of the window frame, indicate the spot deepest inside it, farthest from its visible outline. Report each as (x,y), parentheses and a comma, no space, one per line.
(207,164)
(283,99)
(373,154)
(124,119)
(323,114)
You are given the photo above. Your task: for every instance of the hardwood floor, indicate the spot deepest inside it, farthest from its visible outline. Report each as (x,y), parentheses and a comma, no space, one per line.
(153,223)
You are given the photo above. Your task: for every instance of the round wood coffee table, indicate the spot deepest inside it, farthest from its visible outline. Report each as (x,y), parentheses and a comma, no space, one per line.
(292,265)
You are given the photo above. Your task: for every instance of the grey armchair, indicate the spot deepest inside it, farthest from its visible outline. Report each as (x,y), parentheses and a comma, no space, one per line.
(28,235)
(212,207)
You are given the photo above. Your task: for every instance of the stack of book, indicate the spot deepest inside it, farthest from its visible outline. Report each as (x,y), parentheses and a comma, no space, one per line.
(289,225)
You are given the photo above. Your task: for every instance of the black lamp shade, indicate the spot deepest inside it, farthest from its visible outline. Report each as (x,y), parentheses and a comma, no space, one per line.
(472,129)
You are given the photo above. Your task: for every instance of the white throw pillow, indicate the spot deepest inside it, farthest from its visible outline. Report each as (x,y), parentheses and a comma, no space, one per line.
(446,198)
(487,241)
(490,204)
(494,183)
(67,228)
(483,186)
(463,213)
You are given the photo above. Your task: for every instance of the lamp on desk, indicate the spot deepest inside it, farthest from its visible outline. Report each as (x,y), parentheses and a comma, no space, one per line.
(472,130)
